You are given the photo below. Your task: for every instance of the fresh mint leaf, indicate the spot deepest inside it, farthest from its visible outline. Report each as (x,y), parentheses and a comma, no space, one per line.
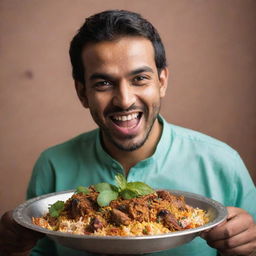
(140,188)
(56,208)
(128,194)
(82,189)
(124,189)
(105,197)
(105,186)
(121,181)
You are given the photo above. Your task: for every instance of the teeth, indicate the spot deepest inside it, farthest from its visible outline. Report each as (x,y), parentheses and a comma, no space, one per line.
(127,117)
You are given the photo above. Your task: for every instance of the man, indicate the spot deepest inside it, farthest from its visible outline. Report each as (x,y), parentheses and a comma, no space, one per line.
(120,74)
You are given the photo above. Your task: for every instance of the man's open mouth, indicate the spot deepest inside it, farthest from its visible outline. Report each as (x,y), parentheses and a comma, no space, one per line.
(129,120)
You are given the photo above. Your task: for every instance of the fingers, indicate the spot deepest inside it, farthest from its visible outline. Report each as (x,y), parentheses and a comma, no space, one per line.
(236,236)
(238,244)
(235,225)
(243,250)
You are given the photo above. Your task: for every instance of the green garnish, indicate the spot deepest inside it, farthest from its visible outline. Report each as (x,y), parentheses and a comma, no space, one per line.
(124,189)
(107,193)
(56,208)
(105,186)
(127,194)
(121,181)
(140,188)
(82,189)
(105,197)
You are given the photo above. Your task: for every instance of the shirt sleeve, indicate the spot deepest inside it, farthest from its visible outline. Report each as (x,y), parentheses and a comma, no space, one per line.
(42,180)
(244,188)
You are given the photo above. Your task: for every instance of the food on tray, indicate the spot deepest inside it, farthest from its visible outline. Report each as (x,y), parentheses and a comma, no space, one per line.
(128,209)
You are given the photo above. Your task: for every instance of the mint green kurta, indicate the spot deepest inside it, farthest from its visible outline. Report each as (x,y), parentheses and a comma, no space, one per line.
(184,160)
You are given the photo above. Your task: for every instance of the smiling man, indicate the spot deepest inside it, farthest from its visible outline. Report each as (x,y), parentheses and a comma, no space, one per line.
(120,74)
(122,90)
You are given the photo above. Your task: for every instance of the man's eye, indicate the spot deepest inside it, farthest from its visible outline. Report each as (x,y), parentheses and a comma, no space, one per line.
(140,78)
(102,85)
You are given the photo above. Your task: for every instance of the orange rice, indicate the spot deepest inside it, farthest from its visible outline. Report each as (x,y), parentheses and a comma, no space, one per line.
(146,216)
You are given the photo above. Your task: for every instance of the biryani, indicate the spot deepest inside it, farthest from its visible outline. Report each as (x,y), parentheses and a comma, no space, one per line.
(129,209)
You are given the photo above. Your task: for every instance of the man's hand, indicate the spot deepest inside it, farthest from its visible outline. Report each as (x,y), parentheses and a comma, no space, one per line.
(236,236)
(15,238)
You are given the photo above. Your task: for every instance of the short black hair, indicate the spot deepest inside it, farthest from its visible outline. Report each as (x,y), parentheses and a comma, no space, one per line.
(108,26)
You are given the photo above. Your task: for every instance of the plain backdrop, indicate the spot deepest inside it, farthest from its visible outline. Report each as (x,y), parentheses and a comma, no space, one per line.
(211,50)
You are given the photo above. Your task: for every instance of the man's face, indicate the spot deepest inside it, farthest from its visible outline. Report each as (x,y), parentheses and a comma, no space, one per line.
(123,90)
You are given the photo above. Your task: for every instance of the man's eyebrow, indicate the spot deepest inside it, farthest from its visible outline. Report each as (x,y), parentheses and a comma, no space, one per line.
(141,70)
(132,73)
(100,76)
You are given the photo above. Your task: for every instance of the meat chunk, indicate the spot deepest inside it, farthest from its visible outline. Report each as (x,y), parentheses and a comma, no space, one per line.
(163,212)
(119,204)
(95,224)
(141,208)
(136,208)
(78,206)
(171,222)
(176,201)
(139,212)
(120,218)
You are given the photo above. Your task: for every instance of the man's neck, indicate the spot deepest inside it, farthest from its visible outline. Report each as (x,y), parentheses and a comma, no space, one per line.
(130,158)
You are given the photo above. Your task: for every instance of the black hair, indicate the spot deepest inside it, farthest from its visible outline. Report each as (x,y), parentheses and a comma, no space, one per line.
(110,25)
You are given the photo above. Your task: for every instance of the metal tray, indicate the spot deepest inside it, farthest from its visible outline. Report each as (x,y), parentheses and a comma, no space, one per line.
(38,206)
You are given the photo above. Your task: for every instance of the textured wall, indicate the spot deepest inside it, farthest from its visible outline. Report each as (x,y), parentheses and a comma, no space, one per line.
(212,59)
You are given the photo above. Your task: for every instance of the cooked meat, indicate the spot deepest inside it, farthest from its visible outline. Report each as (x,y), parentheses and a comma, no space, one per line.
(122,208)
(120,204)
(171,222)
(147,198)
(120,218)
(163,213)
(79,206)
(123,205)
(136,208)
(139,212)
(159,212)
(96,224)
(176,201)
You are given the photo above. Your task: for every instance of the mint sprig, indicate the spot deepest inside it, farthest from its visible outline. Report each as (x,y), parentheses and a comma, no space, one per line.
(105,197)
(124,189)
(139,188)
(105,186)
(82,189)
(120,182)
(56,208)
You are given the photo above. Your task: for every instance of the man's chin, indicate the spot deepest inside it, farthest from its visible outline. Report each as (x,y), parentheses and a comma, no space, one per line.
(128,146)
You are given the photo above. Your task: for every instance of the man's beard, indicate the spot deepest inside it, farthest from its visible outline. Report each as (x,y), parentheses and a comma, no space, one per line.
(133,146)
(128,147)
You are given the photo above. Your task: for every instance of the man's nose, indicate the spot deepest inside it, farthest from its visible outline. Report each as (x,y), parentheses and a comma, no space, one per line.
(124,96)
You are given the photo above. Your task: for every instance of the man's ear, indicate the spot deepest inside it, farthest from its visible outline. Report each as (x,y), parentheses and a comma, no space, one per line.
(163,79)
(81,93)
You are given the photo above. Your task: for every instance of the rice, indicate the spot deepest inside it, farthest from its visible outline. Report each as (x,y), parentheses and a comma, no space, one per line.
(153,214)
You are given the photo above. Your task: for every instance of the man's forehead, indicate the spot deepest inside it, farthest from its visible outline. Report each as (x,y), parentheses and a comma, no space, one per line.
(124,52)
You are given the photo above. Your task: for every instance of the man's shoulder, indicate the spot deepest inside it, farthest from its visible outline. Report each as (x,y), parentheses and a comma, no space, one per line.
(198,139)
(73,144)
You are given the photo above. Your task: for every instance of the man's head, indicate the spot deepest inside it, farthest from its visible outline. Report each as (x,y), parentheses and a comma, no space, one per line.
(120,74)
(108,26)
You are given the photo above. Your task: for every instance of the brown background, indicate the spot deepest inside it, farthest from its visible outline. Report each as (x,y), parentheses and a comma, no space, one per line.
(212,59)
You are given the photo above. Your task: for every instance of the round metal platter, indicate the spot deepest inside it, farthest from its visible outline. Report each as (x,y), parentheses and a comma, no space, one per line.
(38,206)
